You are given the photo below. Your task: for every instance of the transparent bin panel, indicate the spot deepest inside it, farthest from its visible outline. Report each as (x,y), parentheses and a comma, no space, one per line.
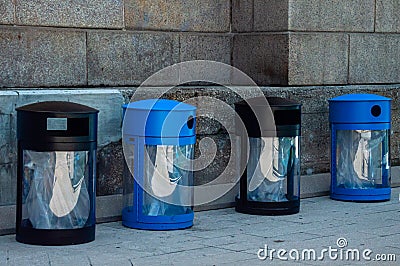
(362,158)
(128,180)
(273,169)
(168,176)
(55,192)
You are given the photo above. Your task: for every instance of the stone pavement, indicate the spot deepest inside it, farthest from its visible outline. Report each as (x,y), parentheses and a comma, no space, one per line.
(223,236)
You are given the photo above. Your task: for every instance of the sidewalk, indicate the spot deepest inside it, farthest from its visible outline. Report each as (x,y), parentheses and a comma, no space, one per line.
(225,237)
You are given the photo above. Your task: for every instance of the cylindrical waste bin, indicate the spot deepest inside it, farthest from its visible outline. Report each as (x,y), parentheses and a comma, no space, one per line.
(158,140)
(360,156)
(56,173)
(270,183)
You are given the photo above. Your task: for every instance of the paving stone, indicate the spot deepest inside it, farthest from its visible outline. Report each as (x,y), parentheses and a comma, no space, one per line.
(201,16)
(247,243)
(352,228)
(36,57)
(263,262)
(70,13)
(388,241)
(96,260)
(383,230)
(3,256)
(77,258)
(204,256)
(226,237)
(39,258)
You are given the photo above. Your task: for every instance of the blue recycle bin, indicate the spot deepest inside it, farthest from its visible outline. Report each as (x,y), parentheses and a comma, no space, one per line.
(158,140)
(360,155)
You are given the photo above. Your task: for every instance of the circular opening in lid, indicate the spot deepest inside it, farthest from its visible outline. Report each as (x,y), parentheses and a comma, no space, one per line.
(376,110)
(190,122)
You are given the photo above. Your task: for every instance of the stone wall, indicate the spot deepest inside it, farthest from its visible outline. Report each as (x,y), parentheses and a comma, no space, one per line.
(120,43)
(97,53)
(47,43)
(315,42)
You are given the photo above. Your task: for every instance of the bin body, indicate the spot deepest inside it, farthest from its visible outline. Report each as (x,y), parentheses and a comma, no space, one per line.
(270,183)
(360,156)
(158,138)
(56,173)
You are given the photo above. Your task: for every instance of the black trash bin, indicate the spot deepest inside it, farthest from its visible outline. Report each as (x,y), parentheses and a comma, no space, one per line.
(270,183)
(56,173)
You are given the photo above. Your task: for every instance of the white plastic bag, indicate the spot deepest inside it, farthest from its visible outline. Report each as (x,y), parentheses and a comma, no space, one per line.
(57,195)
(166,170)
(359,158)
(271,161)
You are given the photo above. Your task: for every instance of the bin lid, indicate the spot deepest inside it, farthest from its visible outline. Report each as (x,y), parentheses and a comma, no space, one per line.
(276,115)
(160,105)
(56,121)
(57,107)
(359,97)
(161,118)
(359,109)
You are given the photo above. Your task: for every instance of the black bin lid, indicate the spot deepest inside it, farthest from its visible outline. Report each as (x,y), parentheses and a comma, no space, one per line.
(56,121)
(286,115)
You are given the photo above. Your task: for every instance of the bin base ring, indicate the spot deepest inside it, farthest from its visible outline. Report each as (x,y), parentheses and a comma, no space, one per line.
(157,226)
(55,237)
(157,223)
(267,208)
(361,195)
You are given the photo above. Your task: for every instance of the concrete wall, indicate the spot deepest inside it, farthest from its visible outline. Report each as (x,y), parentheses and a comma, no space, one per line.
(98,52)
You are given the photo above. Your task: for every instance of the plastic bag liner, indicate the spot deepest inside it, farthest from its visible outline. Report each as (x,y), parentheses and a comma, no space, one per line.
(166,169)
(271,161)
(359,158)
(55,194)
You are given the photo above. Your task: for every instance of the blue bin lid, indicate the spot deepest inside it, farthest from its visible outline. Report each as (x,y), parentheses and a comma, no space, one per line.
(359,109)
(159,118)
